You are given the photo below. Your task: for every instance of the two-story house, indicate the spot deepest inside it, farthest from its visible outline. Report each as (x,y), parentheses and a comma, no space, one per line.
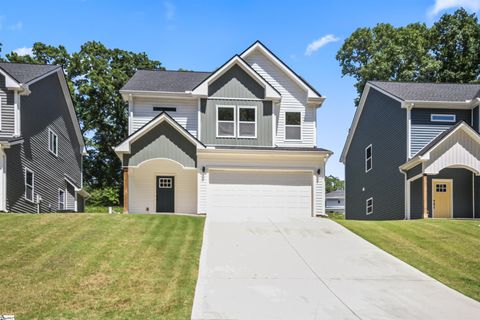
(239,139)
(413,151)
(41,144)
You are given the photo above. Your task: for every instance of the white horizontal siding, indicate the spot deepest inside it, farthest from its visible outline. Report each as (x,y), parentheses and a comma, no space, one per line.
(142,186)
(294,98)
(186,114)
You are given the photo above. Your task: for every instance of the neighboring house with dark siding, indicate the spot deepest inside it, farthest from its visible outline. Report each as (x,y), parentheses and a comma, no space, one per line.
(413,151)
(41,145)
(239,139)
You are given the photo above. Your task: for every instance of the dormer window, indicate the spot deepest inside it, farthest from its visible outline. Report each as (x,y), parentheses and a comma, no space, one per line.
(443,118)
(293,126)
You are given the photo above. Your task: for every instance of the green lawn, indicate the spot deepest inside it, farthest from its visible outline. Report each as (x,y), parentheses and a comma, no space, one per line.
(447,250)
(97,266)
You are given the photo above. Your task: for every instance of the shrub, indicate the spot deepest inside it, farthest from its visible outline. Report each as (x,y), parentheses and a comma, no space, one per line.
(104,197)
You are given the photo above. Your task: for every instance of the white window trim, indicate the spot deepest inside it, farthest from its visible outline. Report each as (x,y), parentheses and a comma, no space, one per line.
(366,159)
(366,206)
(33,185)
(1,107)
(239,122)
(226,121)
(443,115)
(64,199)
(293,126)
(54,152)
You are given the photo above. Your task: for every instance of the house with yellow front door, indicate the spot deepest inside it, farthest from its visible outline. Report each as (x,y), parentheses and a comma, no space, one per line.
(413,151)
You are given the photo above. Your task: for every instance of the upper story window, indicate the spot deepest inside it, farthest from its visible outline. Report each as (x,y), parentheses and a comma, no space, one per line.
(52,142)
(443,118)
(293,126)
(368,158)
(29,184)
(61,200)
(247,122)
(226,121)
(369,206)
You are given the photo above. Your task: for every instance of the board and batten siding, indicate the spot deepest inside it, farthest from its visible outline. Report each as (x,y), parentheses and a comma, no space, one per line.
(142,186)
(44,108)
(163,141)
(186,113)
(382,124)
(236,83)
(208,118)
(7,112)
(423,131)
(294,99)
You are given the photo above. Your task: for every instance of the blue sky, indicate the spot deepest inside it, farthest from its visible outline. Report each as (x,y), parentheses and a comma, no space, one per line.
(202,35)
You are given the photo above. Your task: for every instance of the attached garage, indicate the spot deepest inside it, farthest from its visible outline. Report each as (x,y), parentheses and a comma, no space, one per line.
(260,192)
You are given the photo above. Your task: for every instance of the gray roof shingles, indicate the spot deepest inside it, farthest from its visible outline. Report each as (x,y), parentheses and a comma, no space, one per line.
(335,194)
(449,92)
(25,72)
(165,81)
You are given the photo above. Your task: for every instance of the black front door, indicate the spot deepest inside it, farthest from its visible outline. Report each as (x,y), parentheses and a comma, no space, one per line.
(165,194)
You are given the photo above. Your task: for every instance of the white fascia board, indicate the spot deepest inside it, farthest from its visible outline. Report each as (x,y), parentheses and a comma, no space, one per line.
(156,94)
(439,104)
(465,127)
(212,151)
(124,147)
(282,66)
(10,83)
(68,99)
(202,89)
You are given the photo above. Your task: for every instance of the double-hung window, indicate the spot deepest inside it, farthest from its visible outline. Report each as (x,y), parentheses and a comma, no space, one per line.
(29,184)
(369,206)
(61,200)
(247,122)
(368,158)
(226,121)
(293,126)
(52,142)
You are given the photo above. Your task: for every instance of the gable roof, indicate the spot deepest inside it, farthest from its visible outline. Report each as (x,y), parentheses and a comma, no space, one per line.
(258,45)
(202,88)
(337,194)
(432,92)
(165,81)
(124,146)
(423,154)
(25,72)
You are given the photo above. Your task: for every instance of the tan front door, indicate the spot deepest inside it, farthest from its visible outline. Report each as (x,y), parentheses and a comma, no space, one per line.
(442,198)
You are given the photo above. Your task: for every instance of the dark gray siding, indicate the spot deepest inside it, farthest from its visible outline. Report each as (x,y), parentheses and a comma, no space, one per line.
(163,141)
(236,83)
(208,122)
(477,197)
(414,171)
(45,107)
(462,193)
(416,199)
(423,130)
(476,119)
(7,110)
(382,124)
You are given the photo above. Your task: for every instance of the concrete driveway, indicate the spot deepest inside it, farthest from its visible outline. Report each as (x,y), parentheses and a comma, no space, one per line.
(271,267)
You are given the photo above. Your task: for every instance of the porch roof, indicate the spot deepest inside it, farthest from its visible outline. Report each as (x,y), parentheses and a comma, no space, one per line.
(457,147)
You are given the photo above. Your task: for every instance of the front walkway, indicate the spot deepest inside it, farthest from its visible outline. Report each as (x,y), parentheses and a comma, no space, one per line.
(270,267)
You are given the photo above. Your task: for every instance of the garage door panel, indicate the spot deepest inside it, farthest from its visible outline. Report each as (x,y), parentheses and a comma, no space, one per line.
(260,193)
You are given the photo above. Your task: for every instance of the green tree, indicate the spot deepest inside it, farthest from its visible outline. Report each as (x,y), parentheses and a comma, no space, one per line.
(446,52)
(333,183)
(95,74)
(455,42)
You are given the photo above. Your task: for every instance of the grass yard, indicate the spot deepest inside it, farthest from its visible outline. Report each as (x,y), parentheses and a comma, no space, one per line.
(97,266)
(447,250)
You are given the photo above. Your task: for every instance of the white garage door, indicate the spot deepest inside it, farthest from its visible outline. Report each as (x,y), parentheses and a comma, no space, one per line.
(240,192)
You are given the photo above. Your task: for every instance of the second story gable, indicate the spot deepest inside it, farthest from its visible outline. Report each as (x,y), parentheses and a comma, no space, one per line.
(254,99)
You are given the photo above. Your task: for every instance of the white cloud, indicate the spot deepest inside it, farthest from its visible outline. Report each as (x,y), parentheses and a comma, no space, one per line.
(24,51)
(317,44)
(17,26)
(169,10)
(440,5)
